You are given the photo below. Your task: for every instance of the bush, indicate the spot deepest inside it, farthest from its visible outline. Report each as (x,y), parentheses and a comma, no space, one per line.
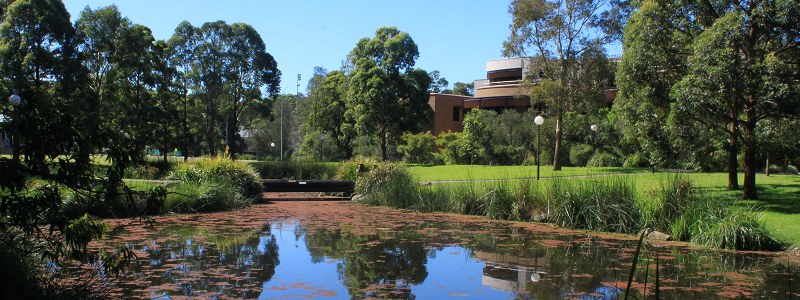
(792,170)
(634,160)
(347,171)
(531,161)
(603,159)
(418,148)
(296,170)
(388,184)
(580,154)
(210,185)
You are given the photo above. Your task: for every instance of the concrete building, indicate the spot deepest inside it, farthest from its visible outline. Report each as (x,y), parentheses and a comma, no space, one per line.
(501,90)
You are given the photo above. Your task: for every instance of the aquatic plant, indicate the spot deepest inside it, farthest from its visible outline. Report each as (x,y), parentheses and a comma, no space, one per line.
(610,204)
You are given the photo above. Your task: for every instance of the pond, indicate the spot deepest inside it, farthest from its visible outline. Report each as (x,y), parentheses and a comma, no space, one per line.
(340,250)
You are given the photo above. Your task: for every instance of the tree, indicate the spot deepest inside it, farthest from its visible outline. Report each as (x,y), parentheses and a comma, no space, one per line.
(418,148)
(438,84)
(464,89)
(569,66)
(386,96)
(39,62)
(327,92)
(230,66)
(726,65)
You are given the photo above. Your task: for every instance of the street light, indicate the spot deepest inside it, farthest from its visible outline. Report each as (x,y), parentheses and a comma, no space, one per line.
(282,96)
(15,101)
(539,121)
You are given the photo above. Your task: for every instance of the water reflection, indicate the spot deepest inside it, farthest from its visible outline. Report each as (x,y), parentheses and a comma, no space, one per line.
(336,249)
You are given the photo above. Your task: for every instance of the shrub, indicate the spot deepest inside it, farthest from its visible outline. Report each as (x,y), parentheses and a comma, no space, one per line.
(792,170)
(580,154)
(347,171)
(634,160)
(388,184)
(141,172)
(418,148)
(296,170)
(209,185)
(603,159)
(531,161)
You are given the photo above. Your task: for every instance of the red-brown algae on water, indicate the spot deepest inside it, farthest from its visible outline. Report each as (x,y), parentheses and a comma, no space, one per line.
(202,238)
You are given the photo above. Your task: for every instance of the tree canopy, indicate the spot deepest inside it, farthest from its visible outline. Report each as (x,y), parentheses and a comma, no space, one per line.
(725,66)
(387,96)
(568,65)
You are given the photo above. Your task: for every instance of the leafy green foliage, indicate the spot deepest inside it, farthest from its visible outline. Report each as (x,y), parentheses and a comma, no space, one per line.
(418,148)
(580,154)
(718,67)
(568,65)
(603,159)
(387,97)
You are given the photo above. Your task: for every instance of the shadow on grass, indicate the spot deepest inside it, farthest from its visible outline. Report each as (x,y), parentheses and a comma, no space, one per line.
(780,198)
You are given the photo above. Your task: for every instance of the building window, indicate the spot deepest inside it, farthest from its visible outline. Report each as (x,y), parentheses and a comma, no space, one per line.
(456,114)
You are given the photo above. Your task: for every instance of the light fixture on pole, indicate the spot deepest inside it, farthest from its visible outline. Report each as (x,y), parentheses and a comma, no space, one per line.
(539,121)
(15,100)
(282,96)
(297,104)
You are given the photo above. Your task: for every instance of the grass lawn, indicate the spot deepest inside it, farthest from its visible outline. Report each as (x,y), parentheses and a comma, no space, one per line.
(779,195)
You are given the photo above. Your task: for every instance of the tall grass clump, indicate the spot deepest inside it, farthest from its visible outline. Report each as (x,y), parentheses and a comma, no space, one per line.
(347,170)
(212,184)
(389,184)
(709,219)
(296,170)
(608,204)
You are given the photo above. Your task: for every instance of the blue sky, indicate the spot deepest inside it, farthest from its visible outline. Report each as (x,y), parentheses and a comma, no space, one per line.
(456,37)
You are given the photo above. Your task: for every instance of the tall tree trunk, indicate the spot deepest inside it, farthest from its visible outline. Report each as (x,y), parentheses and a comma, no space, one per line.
(232,126)
(733,162)
(556,163)
(383,144)
(185,127)
(749,192)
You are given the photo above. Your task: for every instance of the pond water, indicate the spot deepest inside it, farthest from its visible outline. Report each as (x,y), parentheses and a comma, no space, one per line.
(340,250)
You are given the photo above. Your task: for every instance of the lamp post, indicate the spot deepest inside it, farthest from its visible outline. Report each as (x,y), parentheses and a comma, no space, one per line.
(594,128)
(297,104)
(282,96)
(15,100)
(539,121)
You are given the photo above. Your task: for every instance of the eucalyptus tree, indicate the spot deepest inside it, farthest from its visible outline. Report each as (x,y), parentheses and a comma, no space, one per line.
(251,69)
(725,65)
(327,92)
(182,48)
(464,89)
(387,96)
(102,30)
(229,68)
(568,65)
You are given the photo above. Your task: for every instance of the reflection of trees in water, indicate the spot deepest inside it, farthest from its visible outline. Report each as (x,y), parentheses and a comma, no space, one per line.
(375,265)
(198,262)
